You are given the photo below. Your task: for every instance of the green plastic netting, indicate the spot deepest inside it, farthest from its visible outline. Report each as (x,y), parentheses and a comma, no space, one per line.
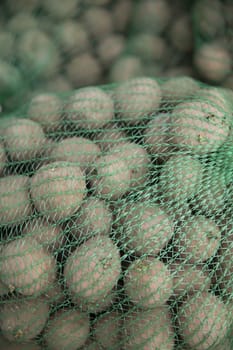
(116,218)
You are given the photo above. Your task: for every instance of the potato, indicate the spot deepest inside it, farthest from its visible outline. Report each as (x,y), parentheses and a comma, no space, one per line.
(58,83)
(54,294)
(15,205)
(109,136)
(209,18)
(38,54)
(181,33)
(218,97)
(3,289)
(45,233)
(157,137)
(202,320)
(30,345)
(125,67)
(137,160)
(224,269)
(104,303)
(3,158)
(93,218)
(58,12)
(93,269)
(178,89)
(72,37)
(46,109)
(111,177)
(92,345)
(90,108)
(26,267)
(148,329)
(213,62)
(146,228)
(22,320)
(78,150)
(121,13)
(148,47)
(211,194)
(199,127)
(83,69)
(110,48)
(22,22)
(188,278)
(148,282)
(98,21)
(107,329)
(57,189)
(152,17)
(180,176)
(67,330)
(24,139)
(198,239)
(136,98)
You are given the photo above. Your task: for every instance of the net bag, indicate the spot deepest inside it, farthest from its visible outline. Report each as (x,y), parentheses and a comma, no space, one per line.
(116,218)
(52,46)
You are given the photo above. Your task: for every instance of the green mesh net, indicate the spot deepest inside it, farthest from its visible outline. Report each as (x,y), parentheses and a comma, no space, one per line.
(116,218)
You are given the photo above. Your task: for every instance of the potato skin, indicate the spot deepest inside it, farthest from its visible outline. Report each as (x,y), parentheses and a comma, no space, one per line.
(135,98)
(180,176)
(89,108)
(148,283)
(79,150)
(109,137)
(213,62)
(145,228)
(26,267)
(188,278)
(45,233)
(148,329)
(57,189)
(93,217)
(103,304)
(24,140)
(202,320)
(178,89)
(15,204)
(30,345)
(67,330)
(137,160)
(157,136)
(111,178)
(198,239)
(23,320)
(3,158)
(46,109)
(199,126)
(107,329)
(93,269)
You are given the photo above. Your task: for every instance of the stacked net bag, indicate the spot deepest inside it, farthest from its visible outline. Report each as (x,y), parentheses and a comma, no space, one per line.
(116,218)
(160,40)
(213,33)
(52,46)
